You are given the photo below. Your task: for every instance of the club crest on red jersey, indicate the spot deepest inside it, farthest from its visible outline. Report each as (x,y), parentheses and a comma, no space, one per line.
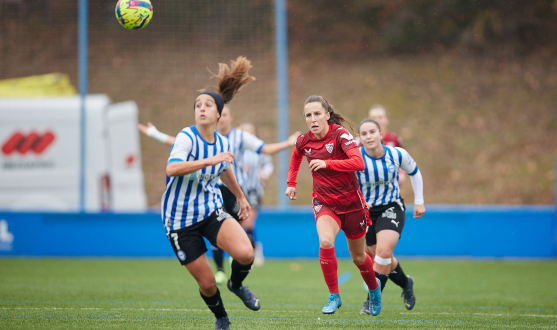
(329,147)
(317,208)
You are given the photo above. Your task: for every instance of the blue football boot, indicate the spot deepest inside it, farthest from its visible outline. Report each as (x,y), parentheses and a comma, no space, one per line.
(332,304)
(375,302)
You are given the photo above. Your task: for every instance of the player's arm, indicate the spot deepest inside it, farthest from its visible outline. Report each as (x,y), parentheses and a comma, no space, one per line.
(273,148)
(293,169)
(411,168)
(227,177)
(178,167)
(178,164)
(151,131)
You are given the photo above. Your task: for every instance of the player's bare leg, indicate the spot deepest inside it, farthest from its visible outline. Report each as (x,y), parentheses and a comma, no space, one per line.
(249,226)
(327,230)
(390,267)
(201,270)
(233,239)
(363,261)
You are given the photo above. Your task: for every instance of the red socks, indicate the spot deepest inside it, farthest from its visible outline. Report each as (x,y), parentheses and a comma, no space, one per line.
(366,269)
(329,266)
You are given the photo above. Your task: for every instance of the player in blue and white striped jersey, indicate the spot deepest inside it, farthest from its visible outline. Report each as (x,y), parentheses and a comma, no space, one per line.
(257,168)
(192,202)
(239,142)
(381,191)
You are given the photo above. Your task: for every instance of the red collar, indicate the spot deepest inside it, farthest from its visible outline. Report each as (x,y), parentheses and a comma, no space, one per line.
(329,132)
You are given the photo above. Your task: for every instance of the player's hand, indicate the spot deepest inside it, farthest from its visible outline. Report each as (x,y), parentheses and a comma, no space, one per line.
(317,164)
(292,138)
(244,208)
(222,157)
(419,211)
(143,129)
(291,193)
(369,206)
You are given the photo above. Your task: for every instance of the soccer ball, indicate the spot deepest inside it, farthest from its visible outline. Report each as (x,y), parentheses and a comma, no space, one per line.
(134,14)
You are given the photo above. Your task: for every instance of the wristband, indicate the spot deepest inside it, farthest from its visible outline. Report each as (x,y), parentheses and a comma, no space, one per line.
(153,132)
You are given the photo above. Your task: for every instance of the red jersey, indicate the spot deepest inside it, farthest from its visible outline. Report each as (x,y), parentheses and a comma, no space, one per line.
(392,140)
(337,185)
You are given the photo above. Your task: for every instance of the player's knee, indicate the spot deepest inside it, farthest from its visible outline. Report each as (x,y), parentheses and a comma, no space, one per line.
(385,254)
(245,256)
(326,242)
(383,259)
(208,286)
(358,259)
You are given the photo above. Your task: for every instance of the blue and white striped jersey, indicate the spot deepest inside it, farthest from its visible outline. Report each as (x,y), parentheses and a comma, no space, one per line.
(191,198)
(240,141)
(379,180)
(255,167)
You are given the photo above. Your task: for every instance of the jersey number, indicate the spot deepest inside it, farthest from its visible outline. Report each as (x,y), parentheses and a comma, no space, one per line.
(175,237)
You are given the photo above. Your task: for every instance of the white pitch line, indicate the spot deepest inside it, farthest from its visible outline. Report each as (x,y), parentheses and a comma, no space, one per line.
(142,309)
(265,310)
(482,314)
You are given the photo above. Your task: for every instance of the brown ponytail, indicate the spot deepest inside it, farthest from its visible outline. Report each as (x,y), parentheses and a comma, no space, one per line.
(336,118)
(230,80)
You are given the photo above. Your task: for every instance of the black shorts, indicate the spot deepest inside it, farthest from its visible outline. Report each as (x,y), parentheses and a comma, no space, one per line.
(229,202)
(390,216)
(254,199)
(188,243)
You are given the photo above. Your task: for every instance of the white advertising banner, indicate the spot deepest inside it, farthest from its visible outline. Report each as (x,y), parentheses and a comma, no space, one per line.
(40,158)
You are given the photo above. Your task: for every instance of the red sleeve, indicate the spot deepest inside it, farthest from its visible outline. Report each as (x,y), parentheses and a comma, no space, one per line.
(355,162)
(295,162)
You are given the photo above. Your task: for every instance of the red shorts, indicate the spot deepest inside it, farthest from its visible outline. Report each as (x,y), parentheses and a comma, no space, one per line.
(354,224)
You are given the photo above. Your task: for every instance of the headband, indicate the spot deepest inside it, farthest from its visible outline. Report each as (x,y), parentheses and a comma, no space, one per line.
(218,99)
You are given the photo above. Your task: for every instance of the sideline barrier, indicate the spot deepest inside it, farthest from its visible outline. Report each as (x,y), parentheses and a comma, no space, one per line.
(445,231)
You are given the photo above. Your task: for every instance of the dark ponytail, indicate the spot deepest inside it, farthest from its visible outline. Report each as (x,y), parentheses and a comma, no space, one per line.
(231,80)
(336,118)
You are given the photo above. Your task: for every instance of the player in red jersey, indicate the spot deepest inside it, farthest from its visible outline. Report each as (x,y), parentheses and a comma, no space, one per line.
(333,157)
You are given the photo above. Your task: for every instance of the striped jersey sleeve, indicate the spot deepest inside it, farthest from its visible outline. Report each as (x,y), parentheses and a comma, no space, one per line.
(407,163)
(251,142)
(182,147)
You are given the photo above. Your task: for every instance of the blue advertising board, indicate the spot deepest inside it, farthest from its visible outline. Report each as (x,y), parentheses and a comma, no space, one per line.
(445,231)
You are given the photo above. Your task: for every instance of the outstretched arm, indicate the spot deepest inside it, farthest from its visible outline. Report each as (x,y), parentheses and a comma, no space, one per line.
(151,131)
(273,148)
(293,169)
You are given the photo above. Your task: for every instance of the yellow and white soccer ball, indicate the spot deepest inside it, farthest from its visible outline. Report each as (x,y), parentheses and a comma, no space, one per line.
(134,14)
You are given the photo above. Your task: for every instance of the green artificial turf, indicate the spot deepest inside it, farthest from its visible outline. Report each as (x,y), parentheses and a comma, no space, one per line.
(159,293)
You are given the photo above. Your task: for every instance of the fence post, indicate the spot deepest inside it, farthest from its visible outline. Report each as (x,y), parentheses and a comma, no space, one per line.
(82,53)
(281,40)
